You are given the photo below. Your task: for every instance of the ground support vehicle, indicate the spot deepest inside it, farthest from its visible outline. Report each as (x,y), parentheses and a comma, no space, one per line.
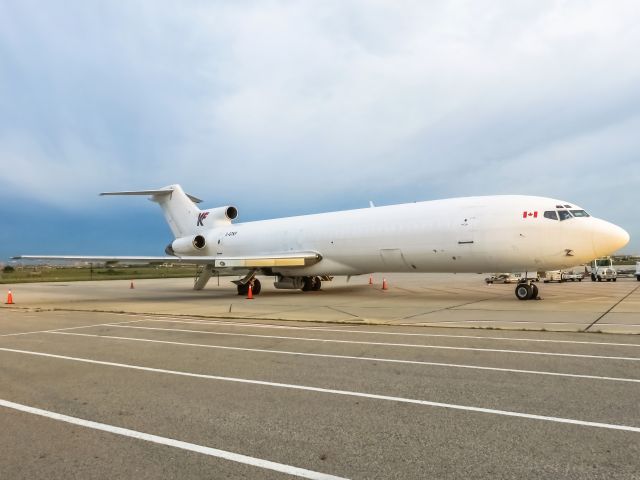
(602,269)
(572,277)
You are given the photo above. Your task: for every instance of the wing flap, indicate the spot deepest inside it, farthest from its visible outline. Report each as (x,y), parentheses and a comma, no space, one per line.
(289,259)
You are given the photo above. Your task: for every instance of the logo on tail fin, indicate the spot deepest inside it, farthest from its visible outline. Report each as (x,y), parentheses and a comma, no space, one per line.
(201,217)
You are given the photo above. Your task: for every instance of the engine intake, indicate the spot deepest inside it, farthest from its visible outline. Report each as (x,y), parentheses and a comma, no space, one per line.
(231,213)
(216,217)
(199,242)
(186,245)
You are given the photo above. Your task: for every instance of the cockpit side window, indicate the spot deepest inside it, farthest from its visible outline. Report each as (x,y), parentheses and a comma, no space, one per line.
(580,213)
(551,214)
(564,214)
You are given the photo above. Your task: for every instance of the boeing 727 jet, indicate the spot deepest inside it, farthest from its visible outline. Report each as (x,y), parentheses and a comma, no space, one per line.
(503,233)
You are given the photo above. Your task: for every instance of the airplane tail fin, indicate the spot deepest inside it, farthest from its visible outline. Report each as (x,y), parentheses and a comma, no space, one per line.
(179,208)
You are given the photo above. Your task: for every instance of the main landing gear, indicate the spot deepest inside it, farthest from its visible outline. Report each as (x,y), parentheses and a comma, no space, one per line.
(243,288)
(312,284)
(306,284)
(527,291)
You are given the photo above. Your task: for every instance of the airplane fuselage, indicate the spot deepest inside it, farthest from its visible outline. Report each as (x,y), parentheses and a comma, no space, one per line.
(472,234)
(504,233)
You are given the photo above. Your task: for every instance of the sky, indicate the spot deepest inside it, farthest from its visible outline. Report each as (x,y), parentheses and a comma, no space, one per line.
(294,107)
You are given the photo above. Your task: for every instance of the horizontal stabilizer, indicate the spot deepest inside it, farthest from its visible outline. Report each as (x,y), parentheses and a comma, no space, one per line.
(159,192)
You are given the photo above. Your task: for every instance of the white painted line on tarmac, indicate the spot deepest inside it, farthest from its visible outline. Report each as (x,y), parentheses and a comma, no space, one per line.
(408,345)
(407,334)
(192,447)
(372,396)
(349,357)
(69,328)
(333,328)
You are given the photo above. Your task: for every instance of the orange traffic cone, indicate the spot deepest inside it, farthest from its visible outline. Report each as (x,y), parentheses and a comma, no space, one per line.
(9,298)
(250,295)
(384,284)
(131,286)
(370,279)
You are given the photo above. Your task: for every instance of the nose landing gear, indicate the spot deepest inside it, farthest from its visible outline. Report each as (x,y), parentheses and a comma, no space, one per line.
(527,291)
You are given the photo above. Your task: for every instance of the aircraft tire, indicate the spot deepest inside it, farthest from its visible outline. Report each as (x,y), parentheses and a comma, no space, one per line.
(257,287)
(317,284)
(523,291)
(243,289)
(534,292)
(308,284)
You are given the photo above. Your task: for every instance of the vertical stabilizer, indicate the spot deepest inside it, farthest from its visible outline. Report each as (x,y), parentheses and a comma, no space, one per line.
(179,209)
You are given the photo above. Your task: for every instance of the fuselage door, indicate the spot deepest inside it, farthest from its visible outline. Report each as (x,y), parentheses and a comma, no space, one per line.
(466,226)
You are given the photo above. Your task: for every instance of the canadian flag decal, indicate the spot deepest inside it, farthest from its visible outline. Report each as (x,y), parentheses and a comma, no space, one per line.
(529,214)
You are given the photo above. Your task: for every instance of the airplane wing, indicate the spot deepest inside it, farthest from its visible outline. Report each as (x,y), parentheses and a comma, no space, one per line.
(288,259)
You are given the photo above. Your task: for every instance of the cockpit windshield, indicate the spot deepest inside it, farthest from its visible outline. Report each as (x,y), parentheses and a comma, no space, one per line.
(564,214)
(580,213)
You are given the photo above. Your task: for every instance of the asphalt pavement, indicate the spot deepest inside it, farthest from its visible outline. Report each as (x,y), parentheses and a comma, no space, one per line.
(104,395)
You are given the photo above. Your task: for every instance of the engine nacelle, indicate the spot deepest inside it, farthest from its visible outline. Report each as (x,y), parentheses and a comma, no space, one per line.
(218,216)
(191,245)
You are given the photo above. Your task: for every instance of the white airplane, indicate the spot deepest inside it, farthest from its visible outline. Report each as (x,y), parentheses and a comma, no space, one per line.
(504,233)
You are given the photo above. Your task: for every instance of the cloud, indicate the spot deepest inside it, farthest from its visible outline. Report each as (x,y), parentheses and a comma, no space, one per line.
(320,104)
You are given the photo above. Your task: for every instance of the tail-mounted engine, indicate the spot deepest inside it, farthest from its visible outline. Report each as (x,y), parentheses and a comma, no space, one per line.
(217,217)
(207,219)
(192,245)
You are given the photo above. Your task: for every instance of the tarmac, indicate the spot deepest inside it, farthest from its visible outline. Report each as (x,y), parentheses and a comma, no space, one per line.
(348,382)
(461,300)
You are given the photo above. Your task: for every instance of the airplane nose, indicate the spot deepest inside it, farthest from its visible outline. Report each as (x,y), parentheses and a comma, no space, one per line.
(607,238)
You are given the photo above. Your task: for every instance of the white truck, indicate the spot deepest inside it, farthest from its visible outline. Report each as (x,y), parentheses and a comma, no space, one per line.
(572,276)
(602,269)
(561,276)
(553,276)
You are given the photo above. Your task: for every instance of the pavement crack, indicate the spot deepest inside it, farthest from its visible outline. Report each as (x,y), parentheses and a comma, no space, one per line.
(611,308)
(445,308)
(342,311)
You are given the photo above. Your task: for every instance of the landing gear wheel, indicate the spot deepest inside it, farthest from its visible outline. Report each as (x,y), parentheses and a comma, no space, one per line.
(243,289)
(534,292)
(317,284)
(308,284)
(257,287)
(524,291)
